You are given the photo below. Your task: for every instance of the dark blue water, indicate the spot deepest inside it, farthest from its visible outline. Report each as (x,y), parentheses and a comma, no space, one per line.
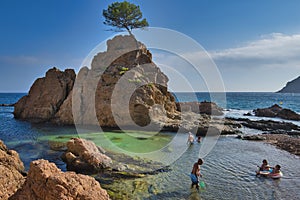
(228,170)
(23,136)
(245,100)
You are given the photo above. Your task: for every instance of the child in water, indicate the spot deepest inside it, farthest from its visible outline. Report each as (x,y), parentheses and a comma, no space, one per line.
(190,138)
(276,170)
(264,167)
(195,174)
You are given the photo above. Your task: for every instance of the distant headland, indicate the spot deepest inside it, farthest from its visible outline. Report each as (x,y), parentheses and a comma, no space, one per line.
(291,86)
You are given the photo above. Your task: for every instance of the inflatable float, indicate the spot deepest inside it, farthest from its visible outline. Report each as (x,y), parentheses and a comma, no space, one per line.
(267,173)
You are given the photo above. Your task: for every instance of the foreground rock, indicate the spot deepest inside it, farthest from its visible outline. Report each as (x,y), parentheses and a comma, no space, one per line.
(11,169)
(46,96)
(46,181)
(277,111)
(85,157)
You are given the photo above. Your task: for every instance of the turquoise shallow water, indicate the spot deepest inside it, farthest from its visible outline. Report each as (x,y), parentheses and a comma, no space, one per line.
(228,173)
(228,170)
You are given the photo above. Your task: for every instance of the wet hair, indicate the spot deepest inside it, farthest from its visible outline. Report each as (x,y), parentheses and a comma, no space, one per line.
(200,161)
(265,161)
(278,167)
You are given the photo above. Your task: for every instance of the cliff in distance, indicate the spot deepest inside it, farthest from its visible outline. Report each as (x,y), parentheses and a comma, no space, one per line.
(291,87)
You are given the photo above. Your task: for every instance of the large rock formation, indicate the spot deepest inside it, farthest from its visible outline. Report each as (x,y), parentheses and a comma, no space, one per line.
(126,87)
(11,168)
(122,87)
(277,111)
(46,96)
(291,87)
(85,157)
(46,181)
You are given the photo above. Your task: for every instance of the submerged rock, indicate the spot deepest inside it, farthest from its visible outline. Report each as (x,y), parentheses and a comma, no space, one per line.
(46,181)
(252,137)
(85,157)
(11,168)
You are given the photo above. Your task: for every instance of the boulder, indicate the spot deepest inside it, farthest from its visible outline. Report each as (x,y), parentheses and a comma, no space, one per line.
(208,108)
(277,111)
(85,157)
(46,181)
(46,96)
(11,168)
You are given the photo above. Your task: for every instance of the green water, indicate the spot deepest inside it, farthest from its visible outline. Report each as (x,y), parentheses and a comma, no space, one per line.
(131,141)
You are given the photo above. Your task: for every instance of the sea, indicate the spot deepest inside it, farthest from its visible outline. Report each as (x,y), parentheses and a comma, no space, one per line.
(228,170)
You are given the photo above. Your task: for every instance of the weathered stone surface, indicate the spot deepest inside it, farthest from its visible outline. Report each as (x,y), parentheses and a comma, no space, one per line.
(45,96)
(252,137)
(126,86)
(277,111)
(65,115)
(208,108)
(85,157)
(46,181)
(11,168)
(123,88)
(284,142)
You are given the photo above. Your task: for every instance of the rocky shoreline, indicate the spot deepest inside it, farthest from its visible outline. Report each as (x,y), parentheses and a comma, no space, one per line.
(284,142)
(43,181)
(284,135)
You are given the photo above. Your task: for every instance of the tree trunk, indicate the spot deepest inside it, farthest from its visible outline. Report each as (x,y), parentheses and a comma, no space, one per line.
(128,29)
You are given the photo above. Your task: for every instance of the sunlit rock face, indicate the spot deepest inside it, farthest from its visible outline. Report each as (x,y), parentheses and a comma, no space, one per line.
(46,181)
(123,87)
(11,168)
(46,96)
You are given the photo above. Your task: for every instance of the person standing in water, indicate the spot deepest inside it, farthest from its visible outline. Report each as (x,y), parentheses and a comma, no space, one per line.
(195,174)
(190,138)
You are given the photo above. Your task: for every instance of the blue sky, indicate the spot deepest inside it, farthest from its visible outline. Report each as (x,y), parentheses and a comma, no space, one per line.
(255,44)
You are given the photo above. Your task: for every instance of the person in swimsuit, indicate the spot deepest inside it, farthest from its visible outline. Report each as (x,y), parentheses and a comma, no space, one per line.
(195,174)
(190,138)
(264,166)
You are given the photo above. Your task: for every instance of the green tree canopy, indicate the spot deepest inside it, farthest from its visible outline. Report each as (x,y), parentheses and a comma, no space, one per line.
(124,15)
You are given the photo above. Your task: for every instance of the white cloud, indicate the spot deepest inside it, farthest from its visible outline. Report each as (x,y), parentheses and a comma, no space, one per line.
(265,64)
(270,51)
